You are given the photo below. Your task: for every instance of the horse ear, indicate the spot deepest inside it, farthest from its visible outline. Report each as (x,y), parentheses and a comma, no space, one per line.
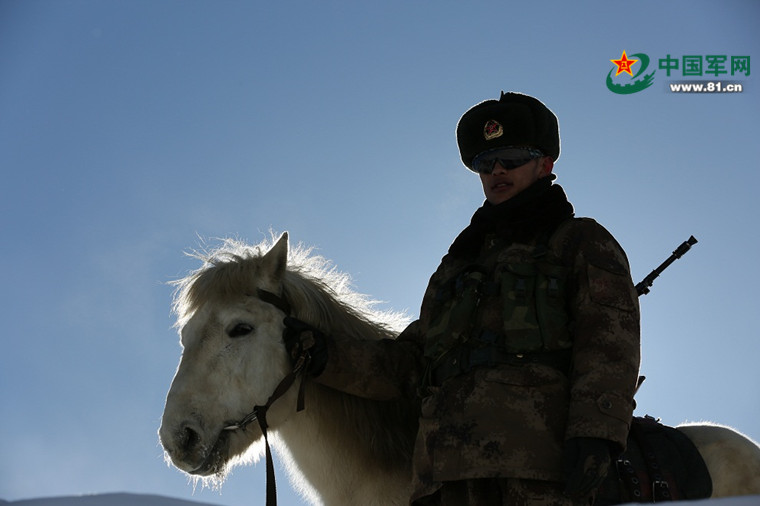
(276,259)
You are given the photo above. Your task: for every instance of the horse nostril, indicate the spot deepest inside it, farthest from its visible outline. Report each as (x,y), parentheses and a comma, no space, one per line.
(189,439)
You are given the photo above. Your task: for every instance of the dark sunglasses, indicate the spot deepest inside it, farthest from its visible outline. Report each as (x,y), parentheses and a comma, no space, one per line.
(509,158)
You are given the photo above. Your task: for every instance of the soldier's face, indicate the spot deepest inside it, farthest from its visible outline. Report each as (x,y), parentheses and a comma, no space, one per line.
(501,184)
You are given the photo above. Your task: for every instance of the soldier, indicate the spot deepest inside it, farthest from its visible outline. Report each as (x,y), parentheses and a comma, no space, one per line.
(525,356)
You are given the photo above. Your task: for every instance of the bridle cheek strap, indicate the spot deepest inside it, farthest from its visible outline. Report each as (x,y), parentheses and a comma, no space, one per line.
(259,413)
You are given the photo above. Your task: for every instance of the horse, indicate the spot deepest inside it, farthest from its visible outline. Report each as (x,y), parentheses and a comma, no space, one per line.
(341,449)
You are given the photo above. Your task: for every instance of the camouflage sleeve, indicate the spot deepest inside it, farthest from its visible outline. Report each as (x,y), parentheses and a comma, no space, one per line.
(381,370)
(606,337)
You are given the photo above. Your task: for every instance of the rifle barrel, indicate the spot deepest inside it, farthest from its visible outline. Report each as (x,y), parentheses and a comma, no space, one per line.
(642,288)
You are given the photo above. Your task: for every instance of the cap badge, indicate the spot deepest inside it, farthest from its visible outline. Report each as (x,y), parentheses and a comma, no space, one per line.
(492,130)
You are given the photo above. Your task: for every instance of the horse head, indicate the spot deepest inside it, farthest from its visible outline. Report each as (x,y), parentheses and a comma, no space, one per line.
(233,358)
(235,368)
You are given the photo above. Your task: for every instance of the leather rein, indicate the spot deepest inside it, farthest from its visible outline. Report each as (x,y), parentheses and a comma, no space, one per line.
(259,413)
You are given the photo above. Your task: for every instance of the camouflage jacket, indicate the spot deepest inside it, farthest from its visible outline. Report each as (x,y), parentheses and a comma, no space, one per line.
(509,416)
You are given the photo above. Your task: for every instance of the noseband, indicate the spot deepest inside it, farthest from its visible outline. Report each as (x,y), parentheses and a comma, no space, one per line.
(259,413)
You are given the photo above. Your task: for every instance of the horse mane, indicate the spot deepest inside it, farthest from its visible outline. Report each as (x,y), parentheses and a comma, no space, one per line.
(322,296)
(315,288)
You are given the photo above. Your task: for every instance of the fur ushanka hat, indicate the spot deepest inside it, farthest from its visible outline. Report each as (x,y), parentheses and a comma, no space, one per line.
(513,120)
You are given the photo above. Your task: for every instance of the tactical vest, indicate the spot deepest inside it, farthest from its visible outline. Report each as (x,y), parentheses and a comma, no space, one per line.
(512,302)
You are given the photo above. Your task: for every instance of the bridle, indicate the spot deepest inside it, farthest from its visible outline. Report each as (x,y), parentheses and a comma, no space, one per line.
(259,413)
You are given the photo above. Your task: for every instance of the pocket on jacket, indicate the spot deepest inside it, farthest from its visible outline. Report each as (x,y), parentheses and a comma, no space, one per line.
(610,286)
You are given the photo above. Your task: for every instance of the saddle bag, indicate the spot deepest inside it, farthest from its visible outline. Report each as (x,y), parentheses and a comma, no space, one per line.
(660,464)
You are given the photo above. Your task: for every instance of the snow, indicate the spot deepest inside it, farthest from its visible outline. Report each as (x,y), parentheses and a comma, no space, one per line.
(106,500)
(155,500)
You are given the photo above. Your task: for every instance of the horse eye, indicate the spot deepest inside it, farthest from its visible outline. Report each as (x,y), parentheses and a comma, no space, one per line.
(240,330)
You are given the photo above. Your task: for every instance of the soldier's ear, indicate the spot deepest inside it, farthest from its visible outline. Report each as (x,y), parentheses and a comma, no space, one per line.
(547,164)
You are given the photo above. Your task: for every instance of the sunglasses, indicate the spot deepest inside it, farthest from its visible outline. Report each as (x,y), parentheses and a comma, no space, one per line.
(509,158)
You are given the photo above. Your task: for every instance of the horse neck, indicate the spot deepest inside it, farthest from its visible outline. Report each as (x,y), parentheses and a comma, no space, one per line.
(328,445)
(352,450)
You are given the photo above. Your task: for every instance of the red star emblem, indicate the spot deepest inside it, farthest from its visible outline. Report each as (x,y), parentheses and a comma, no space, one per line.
(623,64)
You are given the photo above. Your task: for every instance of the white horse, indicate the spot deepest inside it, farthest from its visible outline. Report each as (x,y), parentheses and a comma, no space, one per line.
(340,450)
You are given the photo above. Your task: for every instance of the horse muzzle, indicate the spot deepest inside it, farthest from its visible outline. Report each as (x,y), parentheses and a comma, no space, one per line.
(191,452)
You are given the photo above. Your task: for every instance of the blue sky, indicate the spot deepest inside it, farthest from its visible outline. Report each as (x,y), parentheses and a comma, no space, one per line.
(134,131)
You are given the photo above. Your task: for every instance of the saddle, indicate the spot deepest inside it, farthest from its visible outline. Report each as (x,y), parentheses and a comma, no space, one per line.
(660,464)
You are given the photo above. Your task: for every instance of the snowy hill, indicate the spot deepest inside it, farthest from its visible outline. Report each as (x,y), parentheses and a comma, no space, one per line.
(154,500)
(106,500)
